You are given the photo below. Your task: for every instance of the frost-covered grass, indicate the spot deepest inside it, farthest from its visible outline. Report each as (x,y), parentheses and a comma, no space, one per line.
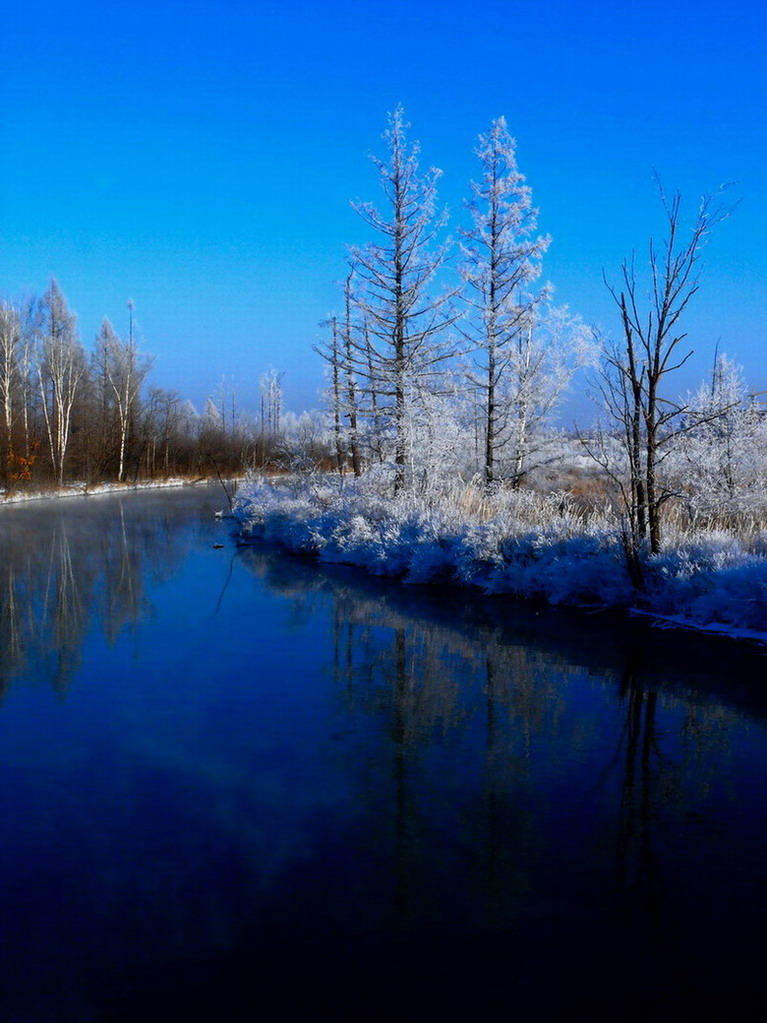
(520,543)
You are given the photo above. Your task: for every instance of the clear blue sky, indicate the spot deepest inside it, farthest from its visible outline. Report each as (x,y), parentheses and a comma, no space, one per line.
(199,157)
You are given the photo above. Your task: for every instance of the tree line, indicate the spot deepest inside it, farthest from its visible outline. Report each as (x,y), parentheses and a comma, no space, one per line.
(66,414)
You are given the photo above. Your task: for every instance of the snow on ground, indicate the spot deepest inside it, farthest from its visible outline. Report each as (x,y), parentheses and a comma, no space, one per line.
(517,543)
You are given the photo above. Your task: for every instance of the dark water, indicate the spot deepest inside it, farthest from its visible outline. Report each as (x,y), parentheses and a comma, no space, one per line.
(234,780)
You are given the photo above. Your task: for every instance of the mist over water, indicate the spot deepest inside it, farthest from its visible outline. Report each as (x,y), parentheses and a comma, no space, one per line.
(233,775)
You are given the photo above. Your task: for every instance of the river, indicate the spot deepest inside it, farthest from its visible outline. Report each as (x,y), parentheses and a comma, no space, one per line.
(233,778)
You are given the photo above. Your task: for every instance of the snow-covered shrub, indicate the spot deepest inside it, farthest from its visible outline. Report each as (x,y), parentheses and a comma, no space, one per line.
(514,542)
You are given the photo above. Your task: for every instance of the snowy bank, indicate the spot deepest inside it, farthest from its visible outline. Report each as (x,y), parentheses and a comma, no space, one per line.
(515,543)
(95,490)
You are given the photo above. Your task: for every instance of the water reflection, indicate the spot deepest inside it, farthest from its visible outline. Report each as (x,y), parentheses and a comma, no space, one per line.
(65,569)
(553,780)
(336,791)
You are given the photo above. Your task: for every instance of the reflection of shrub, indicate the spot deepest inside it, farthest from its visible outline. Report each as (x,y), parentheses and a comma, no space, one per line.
(511,541)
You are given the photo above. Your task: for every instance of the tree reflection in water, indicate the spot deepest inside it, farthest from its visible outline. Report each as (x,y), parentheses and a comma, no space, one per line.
(558,787)
(61,573)
(268,769)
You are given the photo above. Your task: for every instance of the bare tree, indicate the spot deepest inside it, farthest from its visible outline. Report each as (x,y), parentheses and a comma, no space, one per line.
(651,348)
(162,427)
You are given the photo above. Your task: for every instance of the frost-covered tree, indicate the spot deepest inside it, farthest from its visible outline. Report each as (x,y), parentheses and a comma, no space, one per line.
(306,439)
(404,344)
(501,259)
(438,442)
(349,384)
(61,368)
(210,420)
(719,461)
(331,352)
(271,403)
(342,394)
(524,351)
(542,361)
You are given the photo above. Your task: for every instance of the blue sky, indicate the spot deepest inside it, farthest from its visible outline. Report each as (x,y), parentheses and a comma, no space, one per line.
(200,157)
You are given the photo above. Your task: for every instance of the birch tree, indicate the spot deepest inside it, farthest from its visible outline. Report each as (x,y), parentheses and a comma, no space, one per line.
(119,373)
(10,342)
(26,354)
(61,368)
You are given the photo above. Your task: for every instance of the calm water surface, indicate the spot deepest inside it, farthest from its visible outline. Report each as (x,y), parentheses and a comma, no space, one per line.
(232,777)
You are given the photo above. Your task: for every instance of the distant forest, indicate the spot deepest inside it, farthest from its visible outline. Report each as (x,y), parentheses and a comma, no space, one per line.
(68,415)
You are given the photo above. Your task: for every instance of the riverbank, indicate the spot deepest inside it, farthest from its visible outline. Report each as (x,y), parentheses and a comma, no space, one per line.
(515,543)
(99,489)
